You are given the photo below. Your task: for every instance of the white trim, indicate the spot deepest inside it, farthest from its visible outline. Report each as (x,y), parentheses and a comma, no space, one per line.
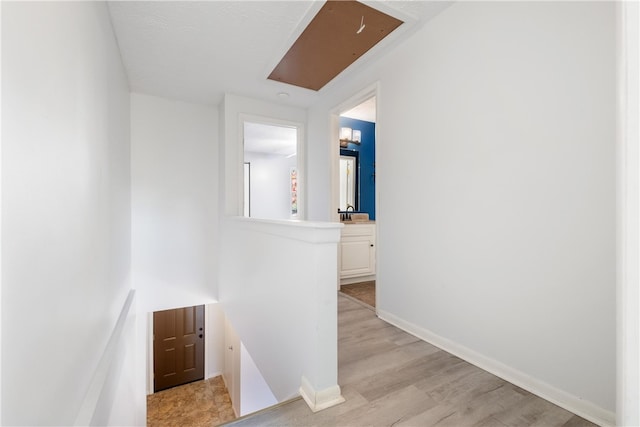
(225,380)
(149,340)
(352,280)
(215,374)
(1,286)
(546,391)
(207,341)
(319,400)
(306,231)
(628,223)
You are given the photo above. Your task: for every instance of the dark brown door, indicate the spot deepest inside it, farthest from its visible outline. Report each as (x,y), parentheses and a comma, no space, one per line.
(178,346)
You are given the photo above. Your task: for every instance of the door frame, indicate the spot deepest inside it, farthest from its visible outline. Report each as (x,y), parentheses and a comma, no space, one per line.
(334,159)
(198,320)
(334,153)
(208,342)
(628,214)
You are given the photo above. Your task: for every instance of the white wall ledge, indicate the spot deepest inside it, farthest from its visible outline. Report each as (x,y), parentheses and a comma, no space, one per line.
(306,231)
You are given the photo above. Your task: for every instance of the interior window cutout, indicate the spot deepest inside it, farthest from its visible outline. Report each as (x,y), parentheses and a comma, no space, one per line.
(271,173)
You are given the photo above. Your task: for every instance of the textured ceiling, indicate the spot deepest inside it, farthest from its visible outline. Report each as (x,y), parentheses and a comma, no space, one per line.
(197,51)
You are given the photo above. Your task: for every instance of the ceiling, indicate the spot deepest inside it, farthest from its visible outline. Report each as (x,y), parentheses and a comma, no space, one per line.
(197,51)
(365,111)
(270,139)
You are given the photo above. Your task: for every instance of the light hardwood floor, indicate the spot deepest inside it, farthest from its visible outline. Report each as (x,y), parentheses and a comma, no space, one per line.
(390,378)
(363,291)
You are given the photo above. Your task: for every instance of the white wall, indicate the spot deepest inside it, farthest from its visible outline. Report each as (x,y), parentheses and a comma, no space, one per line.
(232,360)
(255,392)
(270,185)
(505,116)
(266,265)
(214,363)
(65,208)
(174,178)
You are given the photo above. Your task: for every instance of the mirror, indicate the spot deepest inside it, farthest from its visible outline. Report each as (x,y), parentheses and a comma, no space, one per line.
(270,171)
(349,171)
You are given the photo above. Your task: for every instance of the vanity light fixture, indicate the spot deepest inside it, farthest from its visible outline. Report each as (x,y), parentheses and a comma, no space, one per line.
(349,136)
(346,133)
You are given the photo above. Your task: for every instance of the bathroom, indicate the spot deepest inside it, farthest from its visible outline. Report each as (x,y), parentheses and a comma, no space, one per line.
(358,160)
(357,206)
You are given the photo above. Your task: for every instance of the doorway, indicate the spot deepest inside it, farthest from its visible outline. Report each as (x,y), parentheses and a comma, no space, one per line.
(178,347)
(358,145)
(355,194)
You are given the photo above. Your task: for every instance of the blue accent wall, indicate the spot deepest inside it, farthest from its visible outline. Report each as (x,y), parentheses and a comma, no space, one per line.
(367,150)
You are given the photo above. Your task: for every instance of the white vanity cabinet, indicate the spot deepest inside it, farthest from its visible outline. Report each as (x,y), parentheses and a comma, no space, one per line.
(358,252)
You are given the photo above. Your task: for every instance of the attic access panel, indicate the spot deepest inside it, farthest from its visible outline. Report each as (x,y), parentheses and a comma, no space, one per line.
(331,43)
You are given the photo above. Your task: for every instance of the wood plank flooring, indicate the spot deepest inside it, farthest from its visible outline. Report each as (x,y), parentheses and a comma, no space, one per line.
(362,291)
(390,378)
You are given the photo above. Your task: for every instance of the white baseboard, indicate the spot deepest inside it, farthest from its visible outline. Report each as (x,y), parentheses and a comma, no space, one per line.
(213,375)
(226,384)
(352,280)
(578,406)
(319,400)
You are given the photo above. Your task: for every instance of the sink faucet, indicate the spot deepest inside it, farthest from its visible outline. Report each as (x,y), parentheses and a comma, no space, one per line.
(347,215)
